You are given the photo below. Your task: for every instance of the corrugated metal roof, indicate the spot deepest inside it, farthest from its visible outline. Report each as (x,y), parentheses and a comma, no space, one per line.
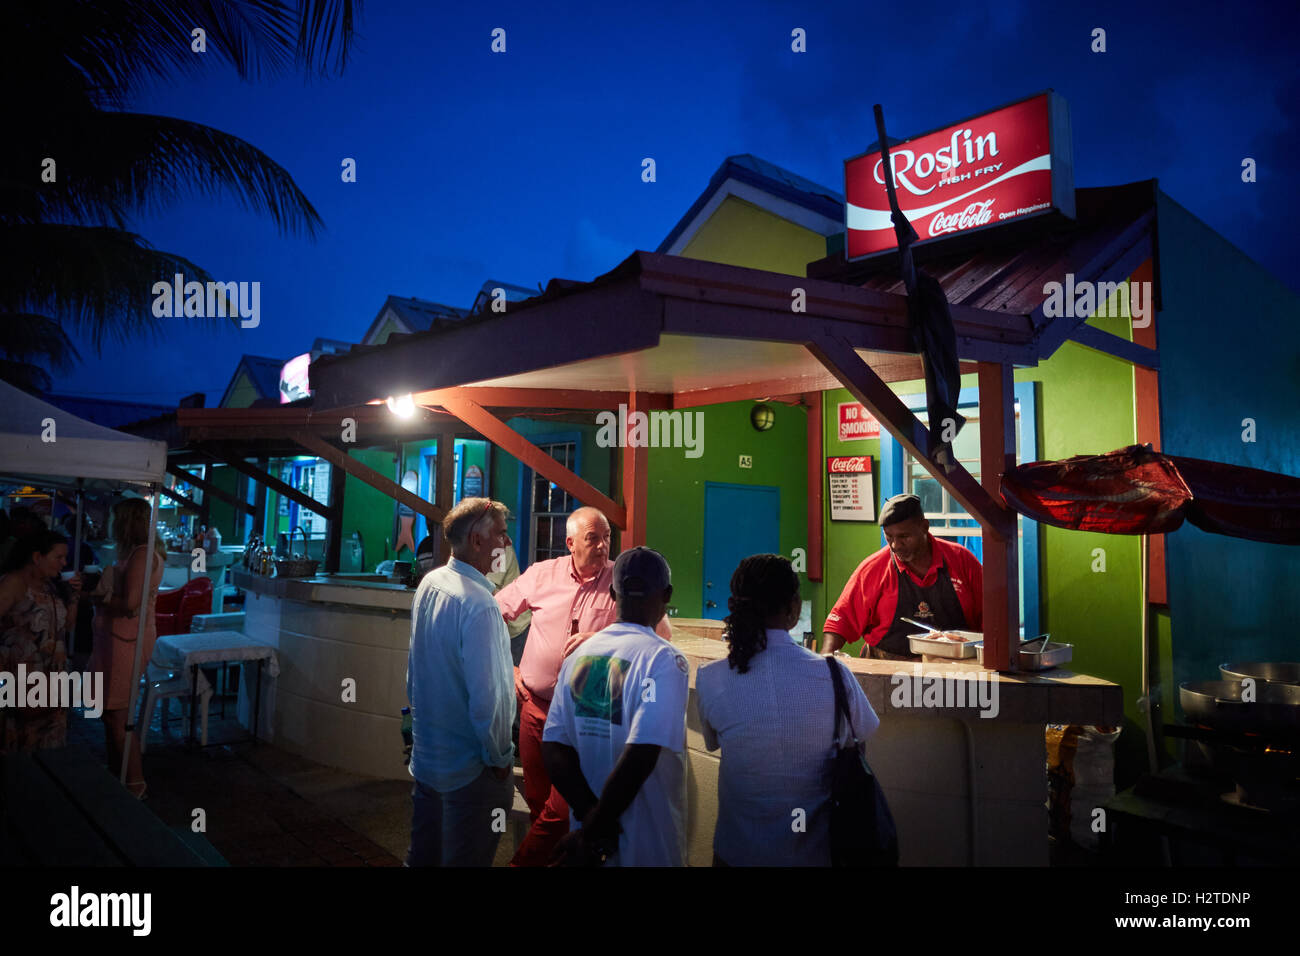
(1005,270)
(419,315)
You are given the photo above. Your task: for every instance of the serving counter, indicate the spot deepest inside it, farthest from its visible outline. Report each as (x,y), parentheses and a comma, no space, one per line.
(966,779)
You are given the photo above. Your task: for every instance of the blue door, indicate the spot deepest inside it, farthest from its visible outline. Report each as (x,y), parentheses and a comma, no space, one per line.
(739,520)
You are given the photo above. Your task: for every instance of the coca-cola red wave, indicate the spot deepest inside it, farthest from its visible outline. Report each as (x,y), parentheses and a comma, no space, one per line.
(990,169)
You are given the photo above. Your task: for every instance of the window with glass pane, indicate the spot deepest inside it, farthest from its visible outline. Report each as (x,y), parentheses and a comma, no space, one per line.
(948,519)
(551,506)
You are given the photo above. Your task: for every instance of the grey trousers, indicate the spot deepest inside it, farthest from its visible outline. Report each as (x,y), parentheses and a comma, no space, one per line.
(460,827)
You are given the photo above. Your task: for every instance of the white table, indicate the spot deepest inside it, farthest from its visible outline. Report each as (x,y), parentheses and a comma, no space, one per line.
(179,651)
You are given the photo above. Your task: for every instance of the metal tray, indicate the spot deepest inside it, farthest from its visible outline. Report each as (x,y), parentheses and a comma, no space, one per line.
(1034,660)
(955,650)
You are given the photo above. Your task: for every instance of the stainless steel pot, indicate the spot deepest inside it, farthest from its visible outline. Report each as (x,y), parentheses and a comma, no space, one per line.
(1218,704)
(1273,673)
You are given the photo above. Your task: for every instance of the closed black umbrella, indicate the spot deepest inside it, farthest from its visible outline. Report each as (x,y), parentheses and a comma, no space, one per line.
(930,323)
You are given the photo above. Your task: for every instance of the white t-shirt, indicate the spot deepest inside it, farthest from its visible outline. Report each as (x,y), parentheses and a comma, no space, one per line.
(626,685)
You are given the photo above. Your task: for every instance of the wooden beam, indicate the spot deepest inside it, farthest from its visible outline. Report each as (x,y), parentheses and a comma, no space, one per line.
(1108,344)
(1001,562)
(898,420)
(278,486)
(342,460)
(509,440)
(636,482)
(815,470)
(181,500)
(753,391)
(525,398)
(210,488)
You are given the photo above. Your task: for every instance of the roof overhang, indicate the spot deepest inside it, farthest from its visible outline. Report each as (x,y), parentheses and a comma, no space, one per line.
(665,325)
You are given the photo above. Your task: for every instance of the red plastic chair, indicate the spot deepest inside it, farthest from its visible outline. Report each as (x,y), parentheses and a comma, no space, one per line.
(170,611)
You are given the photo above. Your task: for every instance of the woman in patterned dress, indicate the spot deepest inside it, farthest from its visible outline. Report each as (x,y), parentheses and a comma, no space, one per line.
(35,608)
(117,620)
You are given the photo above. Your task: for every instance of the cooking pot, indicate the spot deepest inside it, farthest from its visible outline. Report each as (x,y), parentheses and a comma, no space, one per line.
(1273,673)
(1218,704)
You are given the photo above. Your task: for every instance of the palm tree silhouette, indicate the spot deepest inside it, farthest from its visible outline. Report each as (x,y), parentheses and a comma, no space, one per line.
(76,164)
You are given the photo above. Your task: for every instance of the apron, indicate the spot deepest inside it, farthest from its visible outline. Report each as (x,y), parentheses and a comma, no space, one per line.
(936,605)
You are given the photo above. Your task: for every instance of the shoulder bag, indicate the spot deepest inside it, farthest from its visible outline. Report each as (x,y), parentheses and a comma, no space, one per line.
(862,828)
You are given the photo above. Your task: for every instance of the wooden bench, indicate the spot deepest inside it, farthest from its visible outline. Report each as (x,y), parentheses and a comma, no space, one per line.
(62,808)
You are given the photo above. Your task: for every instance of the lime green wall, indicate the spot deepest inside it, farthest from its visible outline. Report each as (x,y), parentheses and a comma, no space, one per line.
(741,234)
(676,484)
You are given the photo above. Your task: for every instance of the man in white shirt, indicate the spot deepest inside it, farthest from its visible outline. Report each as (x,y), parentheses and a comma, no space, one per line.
(615,737)
(460,682)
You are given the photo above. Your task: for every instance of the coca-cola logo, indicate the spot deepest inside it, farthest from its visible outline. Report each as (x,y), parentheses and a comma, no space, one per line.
(976,214)
(857,463)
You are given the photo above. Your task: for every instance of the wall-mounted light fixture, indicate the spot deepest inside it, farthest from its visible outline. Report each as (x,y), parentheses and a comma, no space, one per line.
(762,417)
(403,406)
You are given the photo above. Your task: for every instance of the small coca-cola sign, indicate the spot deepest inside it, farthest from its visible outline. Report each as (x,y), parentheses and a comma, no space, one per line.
(849,464)
(1000,166)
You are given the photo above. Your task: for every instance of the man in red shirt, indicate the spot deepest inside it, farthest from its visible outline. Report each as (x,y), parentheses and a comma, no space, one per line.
(916,575)
(570,600)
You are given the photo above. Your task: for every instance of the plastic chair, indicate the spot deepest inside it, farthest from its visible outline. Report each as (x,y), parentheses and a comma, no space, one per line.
(164,684)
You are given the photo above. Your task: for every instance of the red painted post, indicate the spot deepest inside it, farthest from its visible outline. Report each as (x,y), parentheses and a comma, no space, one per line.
(636,482)
(1001,564)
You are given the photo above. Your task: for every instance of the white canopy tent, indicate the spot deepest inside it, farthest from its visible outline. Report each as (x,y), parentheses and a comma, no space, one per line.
(42,445)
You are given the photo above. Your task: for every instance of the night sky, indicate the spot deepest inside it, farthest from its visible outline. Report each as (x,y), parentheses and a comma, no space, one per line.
(526,165)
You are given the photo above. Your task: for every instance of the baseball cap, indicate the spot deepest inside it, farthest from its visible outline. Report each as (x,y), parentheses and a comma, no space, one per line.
(900,508)
(639,572)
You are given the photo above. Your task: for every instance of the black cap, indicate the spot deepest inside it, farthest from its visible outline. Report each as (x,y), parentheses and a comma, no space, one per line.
(900,508)
(639,572)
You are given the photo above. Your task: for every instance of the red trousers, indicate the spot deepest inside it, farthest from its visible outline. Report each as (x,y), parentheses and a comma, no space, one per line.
(548,811)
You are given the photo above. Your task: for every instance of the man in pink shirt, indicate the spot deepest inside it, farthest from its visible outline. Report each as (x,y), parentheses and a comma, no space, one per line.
(570,600)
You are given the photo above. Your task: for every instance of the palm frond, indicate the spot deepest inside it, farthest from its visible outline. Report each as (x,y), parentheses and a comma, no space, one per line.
(96,280)
(30,378)
(25,336)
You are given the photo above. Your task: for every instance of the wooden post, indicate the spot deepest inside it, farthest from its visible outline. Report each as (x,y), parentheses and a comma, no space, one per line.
(334,524)
(1001,563)
(445,486)
(636,482)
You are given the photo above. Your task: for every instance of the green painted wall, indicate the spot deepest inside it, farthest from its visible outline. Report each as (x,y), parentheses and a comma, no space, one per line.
(676,489)
(221,514)
(741,234)
(385,330)
(367,510)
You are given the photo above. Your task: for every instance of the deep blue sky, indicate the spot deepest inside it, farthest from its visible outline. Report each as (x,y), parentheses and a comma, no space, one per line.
(526,165)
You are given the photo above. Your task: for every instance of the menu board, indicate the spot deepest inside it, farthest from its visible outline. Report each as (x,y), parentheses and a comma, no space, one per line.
(853,495)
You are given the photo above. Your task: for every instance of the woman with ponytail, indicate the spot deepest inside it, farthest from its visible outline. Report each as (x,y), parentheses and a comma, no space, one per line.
(770,706)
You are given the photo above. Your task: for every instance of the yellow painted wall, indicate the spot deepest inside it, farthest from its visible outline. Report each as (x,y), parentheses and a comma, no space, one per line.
(243,394)
(385,330)
(741,234)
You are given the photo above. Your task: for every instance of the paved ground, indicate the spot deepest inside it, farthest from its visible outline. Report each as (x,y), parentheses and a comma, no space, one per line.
(265,807)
